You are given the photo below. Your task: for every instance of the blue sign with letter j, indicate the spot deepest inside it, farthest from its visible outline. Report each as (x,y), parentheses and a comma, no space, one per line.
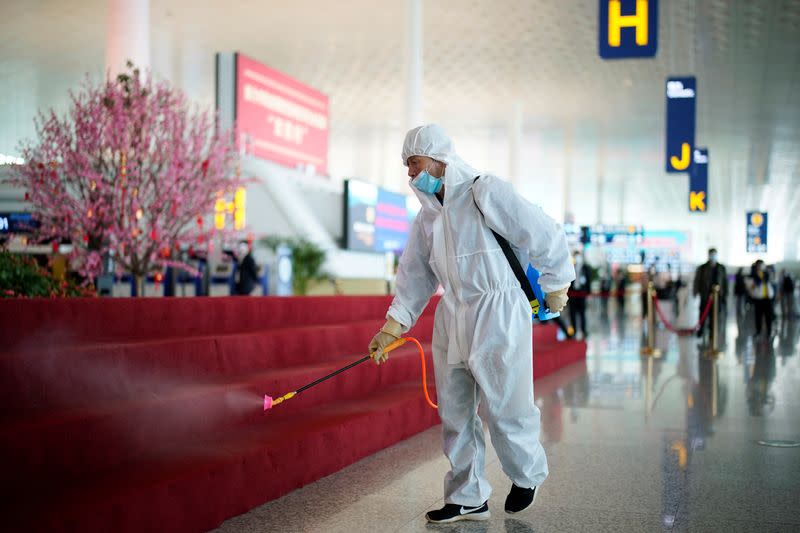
(681,102)
(628,28)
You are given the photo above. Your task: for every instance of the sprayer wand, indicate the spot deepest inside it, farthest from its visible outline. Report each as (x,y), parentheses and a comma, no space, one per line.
(269,403)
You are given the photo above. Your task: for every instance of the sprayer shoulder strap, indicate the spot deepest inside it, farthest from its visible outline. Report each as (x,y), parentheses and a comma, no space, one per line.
(511,257)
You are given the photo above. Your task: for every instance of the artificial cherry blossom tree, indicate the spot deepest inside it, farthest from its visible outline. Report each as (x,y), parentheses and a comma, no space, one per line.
(131,171)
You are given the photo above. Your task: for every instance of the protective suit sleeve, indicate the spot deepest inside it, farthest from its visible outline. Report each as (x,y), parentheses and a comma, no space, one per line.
(526,226)
(415,282)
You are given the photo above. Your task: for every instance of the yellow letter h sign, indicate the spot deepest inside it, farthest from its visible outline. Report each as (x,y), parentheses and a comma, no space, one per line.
(616,21)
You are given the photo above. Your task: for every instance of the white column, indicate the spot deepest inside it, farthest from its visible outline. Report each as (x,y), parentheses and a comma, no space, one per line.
(600,173)
(128,35)
(569,210)
(163,64)
(197,72)
(515,145)
(414,67)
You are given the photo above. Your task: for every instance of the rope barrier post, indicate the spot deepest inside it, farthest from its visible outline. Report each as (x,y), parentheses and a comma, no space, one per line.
(651,349)
(713,350)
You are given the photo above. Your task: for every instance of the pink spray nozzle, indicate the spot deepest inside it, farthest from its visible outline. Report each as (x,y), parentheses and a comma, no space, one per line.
(267,402)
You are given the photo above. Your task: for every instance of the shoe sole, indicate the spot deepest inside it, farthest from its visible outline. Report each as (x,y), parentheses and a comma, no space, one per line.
(535,493)
(486,515)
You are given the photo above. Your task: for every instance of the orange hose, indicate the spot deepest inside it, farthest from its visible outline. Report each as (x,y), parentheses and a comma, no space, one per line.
(402,341)
(424,372)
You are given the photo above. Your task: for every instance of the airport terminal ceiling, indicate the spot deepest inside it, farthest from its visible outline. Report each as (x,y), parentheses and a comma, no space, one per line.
(486,65)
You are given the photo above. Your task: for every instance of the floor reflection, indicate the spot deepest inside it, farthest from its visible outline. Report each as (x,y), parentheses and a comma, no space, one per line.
(685,393)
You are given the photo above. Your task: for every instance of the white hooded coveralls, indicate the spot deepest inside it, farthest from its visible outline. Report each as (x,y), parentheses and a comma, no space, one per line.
(482,339)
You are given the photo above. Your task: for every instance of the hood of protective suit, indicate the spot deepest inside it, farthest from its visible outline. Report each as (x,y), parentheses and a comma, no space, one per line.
(431,141)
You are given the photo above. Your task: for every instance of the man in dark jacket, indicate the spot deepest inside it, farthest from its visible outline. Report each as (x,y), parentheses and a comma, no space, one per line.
(787,295)
(706,276)
(246,270)
(578,292)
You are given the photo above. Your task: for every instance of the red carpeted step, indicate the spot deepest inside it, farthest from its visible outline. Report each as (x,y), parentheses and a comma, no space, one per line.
(79,375)
(85,473)
(81,441)
(544,333)
(77,441)
(198,485)
(545,386)
(42,321)
(549,357)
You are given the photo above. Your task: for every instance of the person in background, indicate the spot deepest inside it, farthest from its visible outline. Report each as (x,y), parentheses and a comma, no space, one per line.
(663,283)
(578,293)
(740,291)
(762,293)
(773,279)
(677,284)
(706,276)
(246,270)
(622,284)
(787,295)
(605,288)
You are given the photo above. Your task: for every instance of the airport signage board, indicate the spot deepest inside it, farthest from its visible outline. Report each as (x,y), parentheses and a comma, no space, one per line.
(376,219)
(276,117)
(698,182)
(756,232)
(21,223)
(681,96)
(628,28)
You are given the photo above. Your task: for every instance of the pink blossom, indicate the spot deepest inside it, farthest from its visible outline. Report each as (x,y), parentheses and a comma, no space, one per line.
(131,170)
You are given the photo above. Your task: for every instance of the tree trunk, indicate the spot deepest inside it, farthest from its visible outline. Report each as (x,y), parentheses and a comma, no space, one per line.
(139,285)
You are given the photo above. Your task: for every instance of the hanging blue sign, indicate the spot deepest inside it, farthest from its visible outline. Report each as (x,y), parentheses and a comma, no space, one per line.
(756,232)
(698,182)
(681,97)
(628,28)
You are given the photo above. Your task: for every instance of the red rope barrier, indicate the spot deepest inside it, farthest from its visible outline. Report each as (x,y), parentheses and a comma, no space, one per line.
(586,294)
(685,331)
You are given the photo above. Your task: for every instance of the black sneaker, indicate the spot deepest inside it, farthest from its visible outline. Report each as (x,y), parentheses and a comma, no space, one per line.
(519,499)
(453,513)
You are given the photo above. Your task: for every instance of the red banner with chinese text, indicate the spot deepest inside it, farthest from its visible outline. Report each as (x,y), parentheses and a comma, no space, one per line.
(280,119)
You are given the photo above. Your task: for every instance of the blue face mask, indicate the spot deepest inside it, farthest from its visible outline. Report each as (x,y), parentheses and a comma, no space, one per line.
(427,183)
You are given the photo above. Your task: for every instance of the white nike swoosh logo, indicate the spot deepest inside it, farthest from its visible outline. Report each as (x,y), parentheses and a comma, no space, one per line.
(465,510)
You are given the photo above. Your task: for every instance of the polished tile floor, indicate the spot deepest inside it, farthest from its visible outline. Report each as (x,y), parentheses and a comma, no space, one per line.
(681,443)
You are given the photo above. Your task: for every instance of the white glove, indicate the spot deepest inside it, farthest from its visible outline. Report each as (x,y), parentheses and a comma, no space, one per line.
(556,300)
(390,332)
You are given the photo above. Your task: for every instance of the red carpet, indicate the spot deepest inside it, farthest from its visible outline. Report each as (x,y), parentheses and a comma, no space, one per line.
(144,414)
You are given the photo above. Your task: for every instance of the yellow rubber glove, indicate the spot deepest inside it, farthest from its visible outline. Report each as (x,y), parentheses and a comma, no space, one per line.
(556,300)
(390,332)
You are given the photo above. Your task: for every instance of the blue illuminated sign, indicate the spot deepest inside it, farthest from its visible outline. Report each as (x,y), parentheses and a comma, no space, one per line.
(376,219)
(628,28)
(756,232)
(698,182)
(18,223)
(681,98)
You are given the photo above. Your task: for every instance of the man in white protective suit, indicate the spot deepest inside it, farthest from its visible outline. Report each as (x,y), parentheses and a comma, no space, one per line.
(482,339)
